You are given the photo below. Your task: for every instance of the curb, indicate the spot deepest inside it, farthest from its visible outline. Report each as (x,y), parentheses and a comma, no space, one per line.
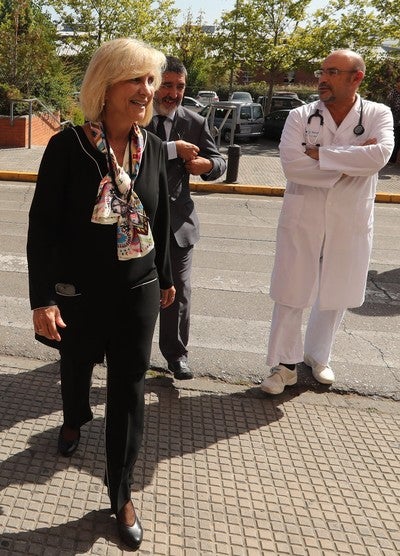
(203,187)
(9,175)
(387,197)
(235,188)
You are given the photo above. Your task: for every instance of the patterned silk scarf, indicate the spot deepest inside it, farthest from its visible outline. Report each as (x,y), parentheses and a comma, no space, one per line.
(117,201)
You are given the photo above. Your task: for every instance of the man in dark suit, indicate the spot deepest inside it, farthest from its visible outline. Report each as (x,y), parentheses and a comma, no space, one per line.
(189,149)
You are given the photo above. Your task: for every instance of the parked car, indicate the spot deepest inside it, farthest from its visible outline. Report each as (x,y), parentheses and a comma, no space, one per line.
(286,94)
(313,97)
(192,104)
(245,118)
(243,96)
(280,102)
(206,97)
(274,123)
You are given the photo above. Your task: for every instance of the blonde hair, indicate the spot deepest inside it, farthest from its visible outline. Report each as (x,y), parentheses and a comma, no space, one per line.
(114,61)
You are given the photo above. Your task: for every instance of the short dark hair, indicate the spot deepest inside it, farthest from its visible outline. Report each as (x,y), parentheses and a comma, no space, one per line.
(175,65)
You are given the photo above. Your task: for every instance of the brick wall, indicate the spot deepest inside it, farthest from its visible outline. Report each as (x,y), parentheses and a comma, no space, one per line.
(17,134)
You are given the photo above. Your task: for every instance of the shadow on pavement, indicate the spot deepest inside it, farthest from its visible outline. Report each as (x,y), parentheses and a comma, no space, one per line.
(178,421)
(74,537)
(32,394)
(383,294)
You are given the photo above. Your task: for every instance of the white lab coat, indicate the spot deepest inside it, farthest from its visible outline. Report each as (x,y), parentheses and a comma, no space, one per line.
(328,206)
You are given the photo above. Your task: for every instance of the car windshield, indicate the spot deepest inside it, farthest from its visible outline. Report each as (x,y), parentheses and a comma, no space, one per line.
(240,94)
(245,113)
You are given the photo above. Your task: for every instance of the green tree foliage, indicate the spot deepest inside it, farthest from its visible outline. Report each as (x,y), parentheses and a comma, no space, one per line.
(190,43)
(342,24)
(357,25)
(260,34)
(391,11)
(91,22)
(30,66)
(381,77)
(260,38)
(280,35)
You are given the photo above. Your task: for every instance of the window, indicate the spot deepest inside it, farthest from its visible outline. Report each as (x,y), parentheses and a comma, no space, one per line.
(258,113)
(245,113)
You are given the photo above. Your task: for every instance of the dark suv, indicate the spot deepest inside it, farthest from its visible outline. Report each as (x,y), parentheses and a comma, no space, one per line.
(280,102)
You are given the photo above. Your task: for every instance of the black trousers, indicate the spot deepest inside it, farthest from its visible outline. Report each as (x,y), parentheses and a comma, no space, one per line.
(175,320)
(122,330)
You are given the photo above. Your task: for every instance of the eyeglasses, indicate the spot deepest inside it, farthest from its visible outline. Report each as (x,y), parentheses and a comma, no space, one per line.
(331,72)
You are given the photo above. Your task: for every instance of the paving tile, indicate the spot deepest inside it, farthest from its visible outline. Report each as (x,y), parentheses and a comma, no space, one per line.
(218,474)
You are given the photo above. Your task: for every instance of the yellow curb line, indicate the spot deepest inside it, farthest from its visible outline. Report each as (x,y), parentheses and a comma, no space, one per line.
(205,187)
(234,188)
(269,191)
(387,197)
(18,176)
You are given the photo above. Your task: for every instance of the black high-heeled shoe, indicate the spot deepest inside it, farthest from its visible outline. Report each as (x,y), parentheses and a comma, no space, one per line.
(131,535)
(67,447)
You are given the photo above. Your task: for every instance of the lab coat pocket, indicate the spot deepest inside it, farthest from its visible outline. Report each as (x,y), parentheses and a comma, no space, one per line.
(291,210)
(364,218)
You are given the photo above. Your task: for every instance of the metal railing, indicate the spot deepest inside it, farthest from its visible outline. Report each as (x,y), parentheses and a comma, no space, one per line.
(231,112)
(31,102)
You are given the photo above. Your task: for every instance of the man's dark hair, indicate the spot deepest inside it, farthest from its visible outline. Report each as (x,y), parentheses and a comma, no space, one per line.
(175,65)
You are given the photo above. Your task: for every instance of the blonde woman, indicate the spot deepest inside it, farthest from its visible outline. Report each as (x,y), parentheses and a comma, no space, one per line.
(98,256)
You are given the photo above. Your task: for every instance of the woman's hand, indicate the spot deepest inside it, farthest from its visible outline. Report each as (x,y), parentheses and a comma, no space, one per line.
(167,297)
(46,320)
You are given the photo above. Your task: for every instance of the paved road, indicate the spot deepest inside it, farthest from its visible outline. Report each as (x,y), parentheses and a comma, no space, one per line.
(231,306)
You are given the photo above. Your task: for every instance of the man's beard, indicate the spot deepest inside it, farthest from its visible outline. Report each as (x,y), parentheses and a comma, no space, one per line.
(163,110)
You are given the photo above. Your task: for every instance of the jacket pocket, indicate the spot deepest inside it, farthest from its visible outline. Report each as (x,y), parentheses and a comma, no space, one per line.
(66,290)
(364,217)
(291,210)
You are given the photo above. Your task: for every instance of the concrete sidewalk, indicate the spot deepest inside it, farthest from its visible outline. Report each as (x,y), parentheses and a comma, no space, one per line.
(224,470)
(260,172)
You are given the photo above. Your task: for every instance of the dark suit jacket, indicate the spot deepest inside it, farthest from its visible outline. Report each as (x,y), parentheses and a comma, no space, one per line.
(191,127)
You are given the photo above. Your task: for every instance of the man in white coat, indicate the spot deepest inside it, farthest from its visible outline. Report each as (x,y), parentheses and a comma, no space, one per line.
(331,151)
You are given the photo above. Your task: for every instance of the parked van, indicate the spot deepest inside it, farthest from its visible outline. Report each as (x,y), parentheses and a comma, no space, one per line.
(245,119)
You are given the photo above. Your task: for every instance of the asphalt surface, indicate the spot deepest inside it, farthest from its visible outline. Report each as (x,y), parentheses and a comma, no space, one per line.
(224,469)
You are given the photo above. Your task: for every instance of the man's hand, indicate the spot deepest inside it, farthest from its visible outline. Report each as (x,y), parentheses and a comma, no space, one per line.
(312,152)
(199,166)
(371,141)
(186,151)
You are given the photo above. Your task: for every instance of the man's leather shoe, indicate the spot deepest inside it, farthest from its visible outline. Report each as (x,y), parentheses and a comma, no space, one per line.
(67,447)
(132,535)
(181,370)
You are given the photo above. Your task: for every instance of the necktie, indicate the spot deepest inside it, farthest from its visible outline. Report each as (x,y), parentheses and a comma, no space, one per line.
(160,130)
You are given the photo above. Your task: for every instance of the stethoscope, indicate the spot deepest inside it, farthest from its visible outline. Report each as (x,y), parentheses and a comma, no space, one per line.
(358,129)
